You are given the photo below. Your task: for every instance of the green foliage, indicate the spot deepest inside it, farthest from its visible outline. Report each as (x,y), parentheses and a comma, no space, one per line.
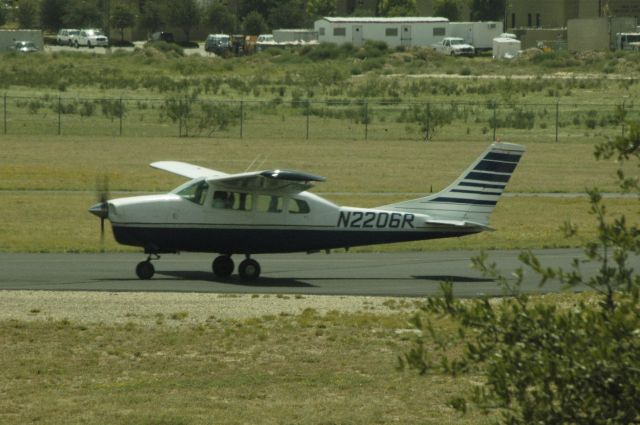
(82,14)
(320,8)
(27,14)
(185,14)
(448,9)
(487,10)
(121,18)
(545,363)
(397,8)
(3,15)
(51,14)
(152,18)
(220,19)
(254,24)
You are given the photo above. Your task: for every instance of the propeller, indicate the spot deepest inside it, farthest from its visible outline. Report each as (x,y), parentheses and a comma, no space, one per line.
(101,209)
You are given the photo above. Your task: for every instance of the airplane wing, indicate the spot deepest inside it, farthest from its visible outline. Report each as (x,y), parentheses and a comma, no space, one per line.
(280,180)
(187,170)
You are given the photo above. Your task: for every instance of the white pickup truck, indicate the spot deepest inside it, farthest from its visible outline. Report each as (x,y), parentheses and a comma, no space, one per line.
(454,46)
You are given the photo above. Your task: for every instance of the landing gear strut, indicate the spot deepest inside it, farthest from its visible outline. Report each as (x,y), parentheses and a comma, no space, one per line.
(145,269)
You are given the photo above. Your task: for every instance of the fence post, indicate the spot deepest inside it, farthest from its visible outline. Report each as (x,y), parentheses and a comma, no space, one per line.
(5,113)
(121,113)
(308,113)
(557,118)
(366,120)
(428,121)
(495,123)
(180,118)
(623,117)
(59,116)
(241,118)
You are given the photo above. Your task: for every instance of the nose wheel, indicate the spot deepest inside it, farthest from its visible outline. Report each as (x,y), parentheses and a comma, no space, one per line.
(144,269)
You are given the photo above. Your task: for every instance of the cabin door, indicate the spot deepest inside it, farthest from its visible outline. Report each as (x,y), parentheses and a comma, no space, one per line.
(405,35)
(357,36)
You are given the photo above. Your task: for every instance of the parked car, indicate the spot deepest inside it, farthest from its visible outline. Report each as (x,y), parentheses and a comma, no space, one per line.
(65,36)
(90,38)
(162,36)
(24,47)
(455,46)
(218,44)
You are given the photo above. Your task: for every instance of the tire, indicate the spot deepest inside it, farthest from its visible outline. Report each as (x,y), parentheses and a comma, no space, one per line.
(145,270)
(249,270)
(222,266)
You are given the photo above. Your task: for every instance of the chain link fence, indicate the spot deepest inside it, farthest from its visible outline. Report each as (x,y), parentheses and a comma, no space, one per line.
(313,119)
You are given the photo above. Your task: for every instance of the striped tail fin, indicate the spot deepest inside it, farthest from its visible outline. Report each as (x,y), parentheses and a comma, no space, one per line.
(472,197)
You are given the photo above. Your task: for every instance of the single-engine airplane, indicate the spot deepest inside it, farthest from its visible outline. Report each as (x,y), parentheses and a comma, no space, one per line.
(272,212)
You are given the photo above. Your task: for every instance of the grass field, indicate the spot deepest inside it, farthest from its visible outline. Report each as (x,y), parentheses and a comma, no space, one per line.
(48,183)
(165,368)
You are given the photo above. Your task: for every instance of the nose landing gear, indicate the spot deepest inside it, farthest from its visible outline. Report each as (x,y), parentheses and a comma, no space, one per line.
(145,269)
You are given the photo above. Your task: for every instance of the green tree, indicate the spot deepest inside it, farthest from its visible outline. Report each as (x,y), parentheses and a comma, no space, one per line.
(288,14)
(254,24)
(52,13)
(487,10)
(397,8)
(27,14)
(185,14)
(220,19)
(122,18)
(447,9)
(320,8)
(263,7)
(551,364)
(82,14)
(152,18)
(3,15)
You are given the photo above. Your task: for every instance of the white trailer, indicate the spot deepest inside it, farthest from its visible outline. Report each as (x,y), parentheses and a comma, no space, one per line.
(398,31)
(479,34)
(506,46)
(8,38)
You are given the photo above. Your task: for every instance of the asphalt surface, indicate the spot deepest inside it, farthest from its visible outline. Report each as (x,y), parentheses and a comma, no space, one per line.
(413,274)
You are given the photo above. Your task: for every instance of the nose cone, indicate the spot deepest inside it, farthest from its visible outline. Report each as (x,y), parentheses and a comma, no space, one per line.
(101,210)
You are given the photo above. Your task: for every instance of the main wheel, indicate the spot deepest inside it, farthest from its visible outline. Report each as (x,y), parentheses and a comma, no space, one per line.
(145,270)
(249,269)
(222,266)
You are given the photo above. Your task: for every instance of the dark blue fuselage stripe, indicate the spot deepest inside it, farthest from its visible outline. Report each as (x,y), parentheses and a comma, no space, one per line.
(500,167)
(503,157)
(486,185)
(476,192)
(489,177)
(464,201)
(256,241)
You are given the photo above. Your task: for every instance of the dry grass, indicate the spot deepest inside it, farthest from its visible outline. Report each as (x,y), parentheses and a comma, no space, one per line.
(312,369)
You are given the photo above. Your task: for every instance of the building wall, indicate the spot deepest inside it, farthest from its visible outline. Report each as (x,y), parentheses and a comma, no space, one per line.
(588,34)
(556,13)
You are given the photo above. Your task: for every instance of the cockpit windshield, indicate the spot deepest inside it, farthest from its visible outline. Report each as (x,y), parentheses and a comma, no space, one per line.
(194,192)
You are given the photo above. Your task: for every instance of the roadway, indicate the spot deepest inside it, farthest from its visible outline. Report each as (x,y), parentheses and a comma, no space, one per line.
(413,274)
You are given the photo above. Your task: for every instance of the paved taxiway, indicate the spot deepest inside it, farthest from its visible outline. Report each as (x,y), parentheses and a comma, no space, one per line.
(385,274)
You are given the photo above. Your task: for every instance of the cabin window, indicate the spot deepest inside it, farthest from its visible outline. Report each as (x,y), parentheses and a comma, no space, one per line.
(195,193)
(321,31)
(298,206)
(439,31)
(391,32)
(232,200)
(269,203)
(339,32)
(529,19)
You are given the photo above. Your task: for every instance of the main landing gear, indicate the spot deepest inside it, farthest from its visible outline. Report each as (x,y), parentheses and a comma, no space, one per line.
(248,269)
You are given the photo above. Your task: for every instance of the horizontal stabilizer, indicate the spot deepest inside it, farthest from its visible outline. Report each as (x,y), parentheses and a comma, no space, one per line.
(460,223)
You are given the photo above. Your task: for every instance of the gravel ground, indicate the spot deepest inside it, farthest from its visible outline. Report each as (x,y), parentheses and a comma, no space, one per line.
(175,308)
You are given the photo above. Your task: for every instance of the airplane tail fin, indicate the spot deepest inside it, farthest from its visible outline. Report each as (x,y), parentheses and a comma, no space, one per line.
(472,197)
